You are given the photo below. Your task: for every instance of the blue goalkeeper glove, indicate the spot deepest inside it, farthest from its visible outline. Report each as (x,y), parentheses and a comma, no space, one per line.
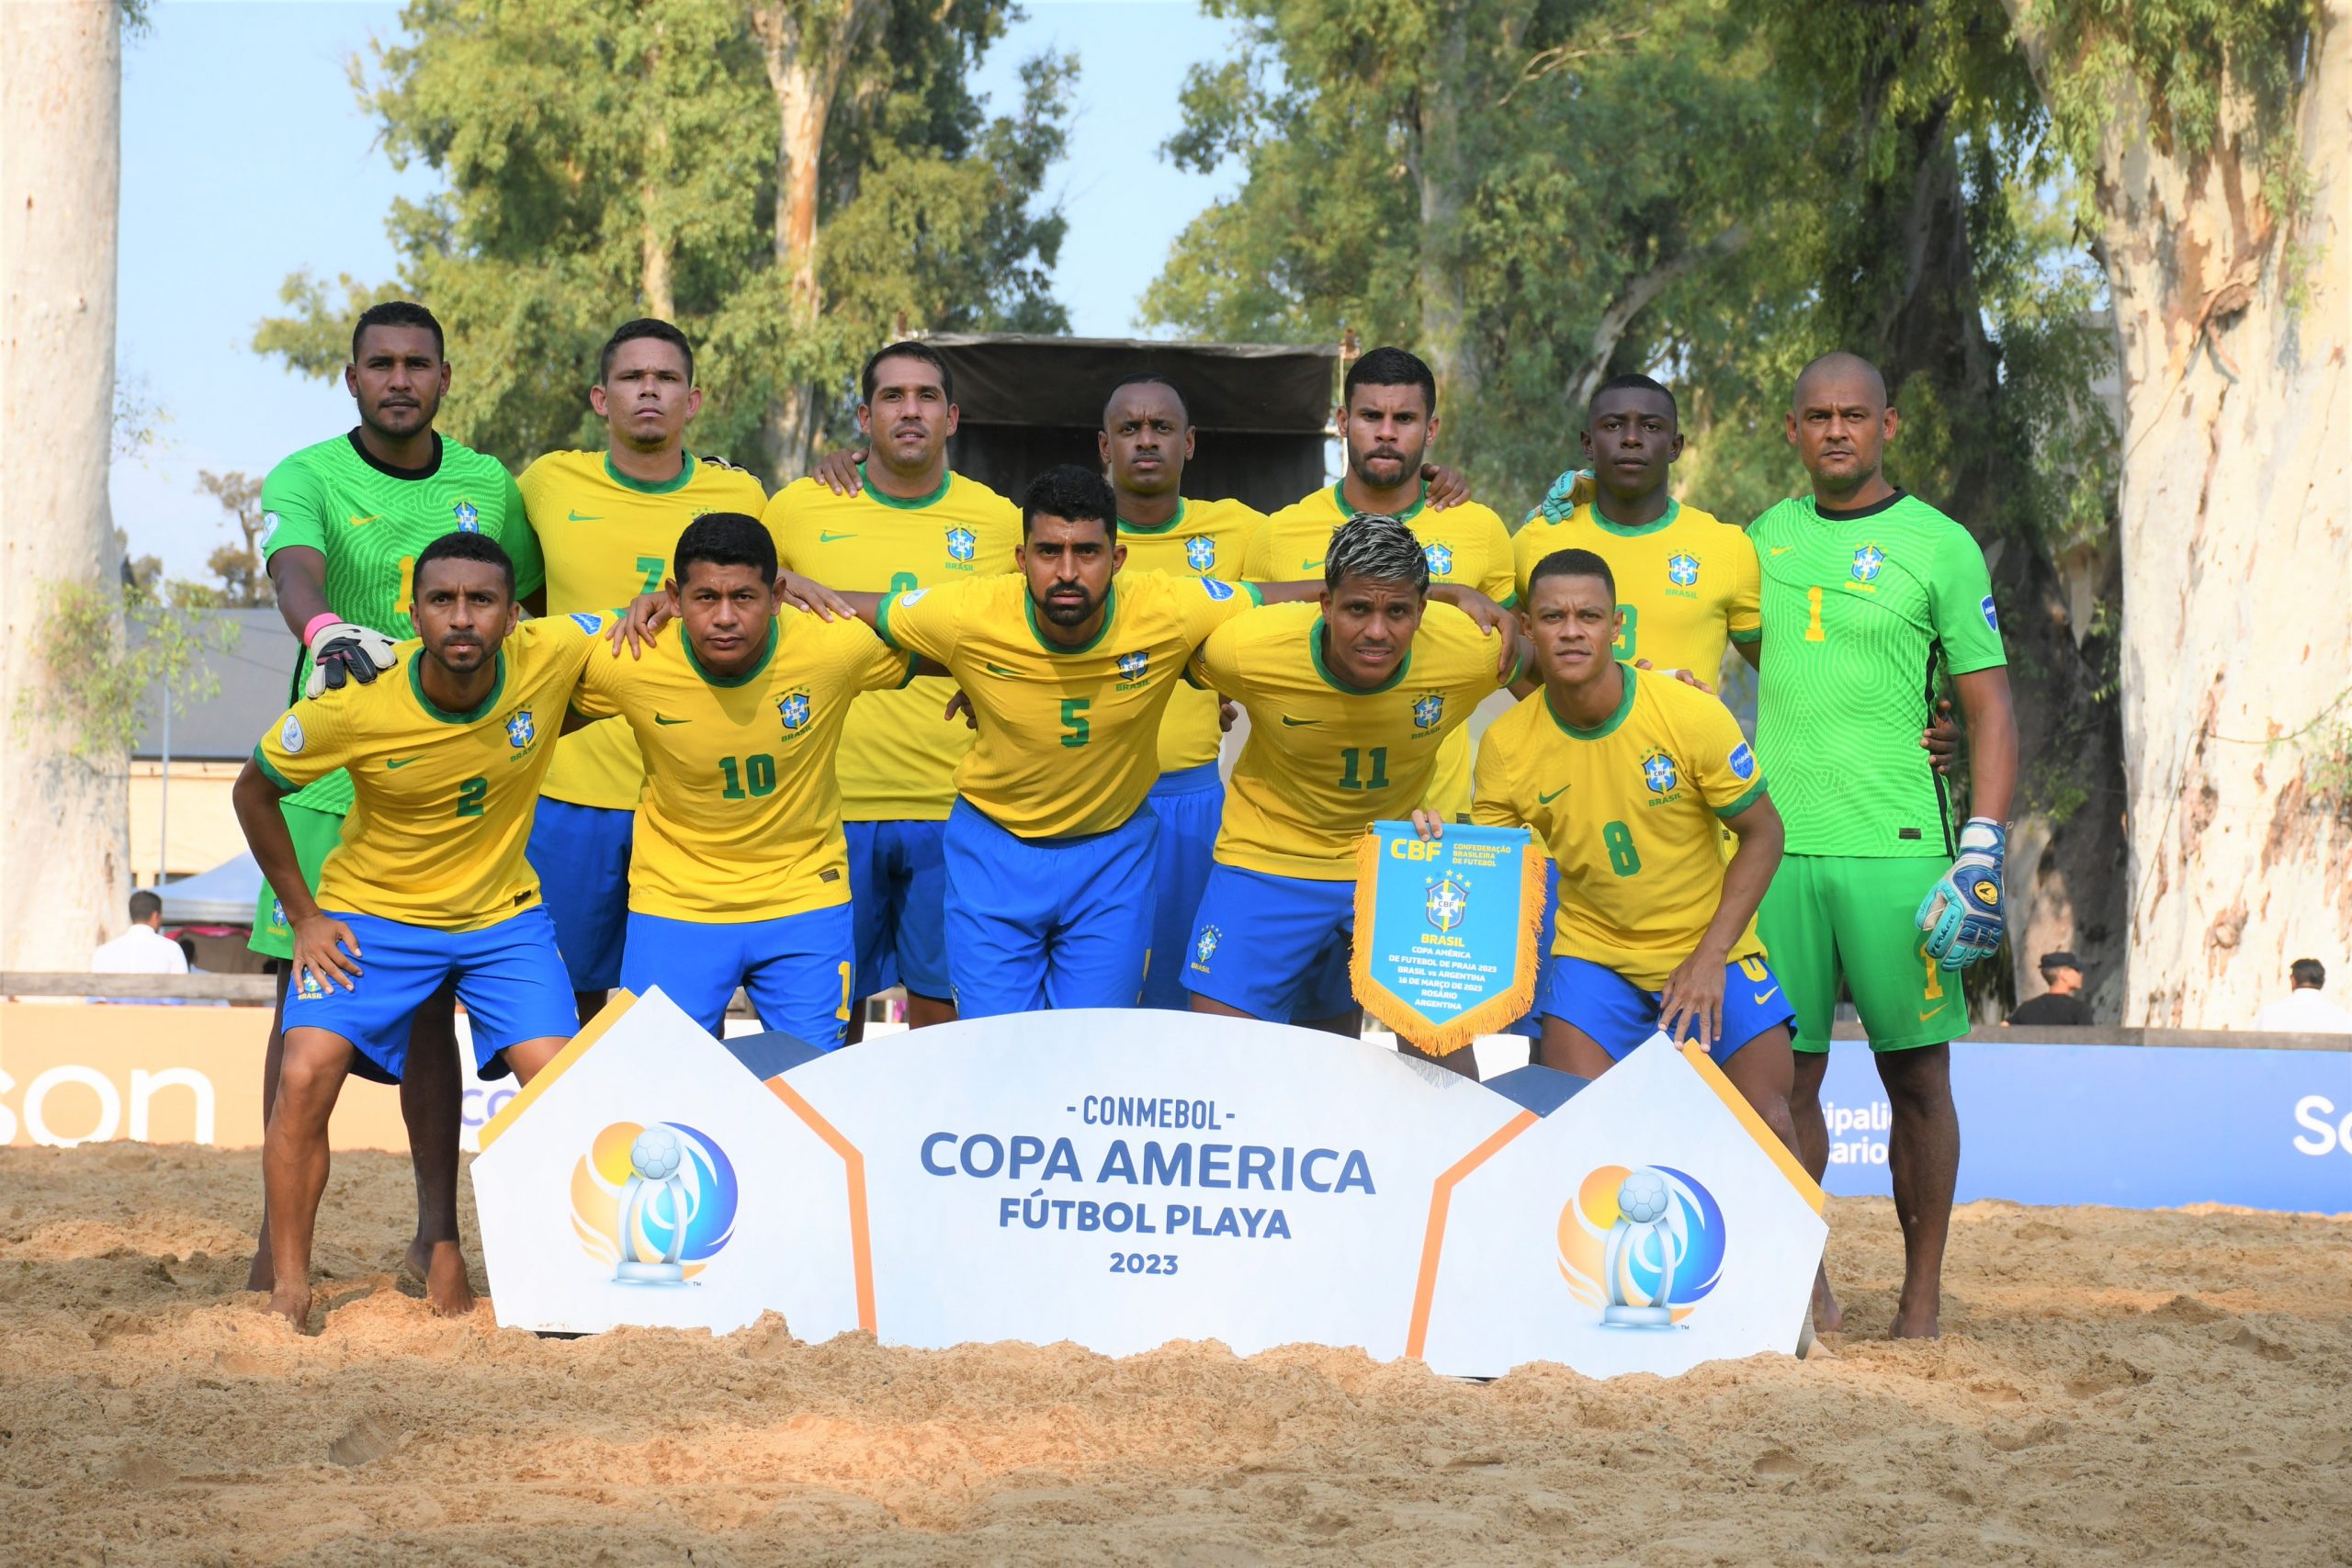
(1961,913)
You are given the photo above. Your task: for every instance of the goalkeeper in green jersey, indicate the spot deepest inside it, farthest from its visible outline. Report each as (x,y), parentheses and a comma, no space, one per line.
(343,523)
(1871,597)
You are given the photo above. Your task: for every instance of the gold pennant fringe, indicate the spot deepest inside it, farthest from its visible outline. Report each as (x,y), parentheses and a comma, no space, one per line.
(1495,1012)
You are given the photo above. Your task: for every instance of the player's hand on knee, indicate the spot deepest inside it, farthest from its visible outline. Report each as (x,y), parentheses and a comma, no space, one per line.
(1962,914)
(1692,1004)
(1940,740)
(1447,486)
(807,593)
(961,705)
(325,950)
(341,653)
(838,472)
(1427,824)
(635,628)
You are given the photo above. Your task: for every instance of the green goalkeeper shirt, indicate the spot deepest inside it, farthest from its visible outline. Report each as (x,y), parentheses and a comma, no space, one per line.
(1864,612)
(370,521)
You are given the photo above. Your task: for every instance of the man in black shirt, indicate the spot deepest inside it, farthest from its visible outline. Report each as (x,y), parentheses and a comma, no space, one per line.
(2062,1003)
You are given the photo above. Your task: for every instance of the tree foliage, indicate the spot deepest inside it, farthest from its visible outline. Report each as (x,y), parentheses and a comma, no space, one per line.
(601,159)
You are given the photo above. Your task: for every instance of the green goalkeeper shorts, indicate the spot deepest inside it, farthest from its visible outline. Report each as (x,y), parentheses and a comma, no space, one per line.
(315,832)
(1855,919)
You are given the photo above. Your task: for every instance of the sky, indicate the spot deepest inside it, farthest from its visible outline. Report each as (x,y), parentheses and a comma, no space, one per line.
(212,225)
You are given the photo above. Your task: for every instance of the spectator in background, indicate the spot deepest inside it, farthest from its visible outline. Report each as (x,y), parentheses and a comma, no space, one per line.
(2304,1011)
(144,949)
(2062,1005)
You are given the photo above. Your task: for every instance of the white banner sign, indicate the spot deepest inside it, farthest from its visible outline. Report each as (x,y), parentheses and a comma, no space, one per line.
(1123,1178)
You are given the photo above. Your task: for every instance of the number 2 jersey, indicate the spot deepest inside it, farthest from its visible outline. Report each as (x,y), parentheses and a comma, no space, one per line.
(609,538)
(1864,612)
(370,521)
(1628,811)
(742,813)
(442,801)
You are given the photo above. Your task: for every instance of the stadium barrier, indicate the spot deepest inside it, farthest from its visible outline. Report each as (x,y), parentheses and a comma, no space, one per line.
(2132,1118)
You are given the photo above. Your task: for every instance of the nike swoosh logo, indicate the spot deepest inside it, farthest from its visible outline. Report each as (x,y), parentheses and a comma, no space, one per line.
(1782,549)
(1547,799)
(1310,565)
(362,522)
(391,762)
(824,538)
(659,719)
(1931,1012)
(1765,995)
(571,516)
(1290,723)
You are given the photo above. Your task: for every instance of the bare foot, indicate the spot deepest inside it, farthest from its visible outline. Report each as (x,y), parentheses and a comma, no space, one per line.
(416,1263)
(1914,1325)
(293,1304)
(1829,1317)
(446,1285)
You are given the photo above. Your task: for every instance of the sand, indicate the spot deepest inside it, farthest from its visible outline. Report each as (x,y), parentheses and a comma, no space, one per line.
(2112,1387)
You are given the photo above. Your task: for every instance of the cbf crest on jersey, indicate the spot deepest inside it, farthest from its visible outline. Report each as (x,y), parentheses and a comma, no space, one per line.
(962,544)
(1200,552)
(1134,667)
(1428,711)
(795,710)
(1682,568)
(469,518)
(1440,560)
(520,730)
(1867,560)
(1659,773)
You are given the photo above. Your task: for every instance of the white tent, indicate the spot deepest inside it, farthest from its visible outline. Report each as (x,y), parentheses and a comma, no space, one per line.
(222,896)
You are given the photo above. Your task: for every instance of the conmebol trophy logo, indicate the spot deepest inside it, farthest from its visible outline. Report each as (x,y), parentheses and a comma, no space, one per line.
(1641,1245)
(655,1201)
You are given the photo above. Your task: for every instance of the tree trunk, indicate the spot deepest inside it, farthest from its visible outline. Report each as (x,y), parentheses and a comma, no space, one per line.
(2236,545)
(655,272)
(64,850)
(1441,173)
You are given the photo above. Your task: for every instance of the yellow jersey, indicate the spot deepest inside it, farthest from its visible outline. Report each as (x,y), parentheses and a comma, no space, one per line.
(609,538)
(441,802)
(1631,813)
(742,813)
(1324,757)
(1465,544)
(1686,583)
(898,755)
(1205,538)
(1069,737)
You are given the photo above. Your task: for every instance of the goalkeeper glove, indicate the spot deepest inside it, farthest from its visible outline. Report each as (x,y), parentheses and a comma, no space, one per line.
(1961,913)
(1570,491)
(343,652)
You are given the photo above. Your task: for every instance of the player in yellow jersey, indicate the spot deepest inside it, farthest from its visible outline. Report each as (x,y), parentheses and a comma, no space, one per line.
(1390,398)
(606,523)
(1624,775)
(1351,704)
(913,523)
(741,876)
(1146,439)
(429,884)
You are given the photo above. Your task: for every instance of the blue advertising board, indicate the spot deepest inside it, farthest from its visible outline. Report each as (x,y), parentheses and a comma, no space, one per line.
(2136,1126)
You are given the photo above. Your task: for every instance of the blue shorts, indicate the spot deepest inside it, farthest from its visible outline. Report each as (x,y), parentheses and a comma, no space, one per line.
(581,855)
(1190,805)
(1036,923)
(1275,947)
(1620,1015)
(897,889)
(795,966)
(509,976)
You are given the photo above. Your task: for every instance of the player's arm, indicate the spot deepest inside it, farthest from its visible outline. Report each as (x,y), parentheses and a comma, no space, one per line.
(1963,914)
(1694,992)
(319,940)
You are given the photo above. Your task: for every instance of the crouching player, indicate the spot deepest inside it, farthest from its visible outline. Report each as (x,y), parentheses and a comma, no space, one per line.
(740,872)
(1623,774)
(1350,705)
(429,883)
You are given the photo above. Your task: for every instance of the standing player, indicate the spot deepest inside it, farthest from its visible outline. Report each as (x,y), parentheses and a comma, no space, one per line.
(343,524)
(740,876)
(912,525)
(428,887)
(1625,775)
(606,522)
(1390,417)
(1351,704)
(1146,440)
(1870,595)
